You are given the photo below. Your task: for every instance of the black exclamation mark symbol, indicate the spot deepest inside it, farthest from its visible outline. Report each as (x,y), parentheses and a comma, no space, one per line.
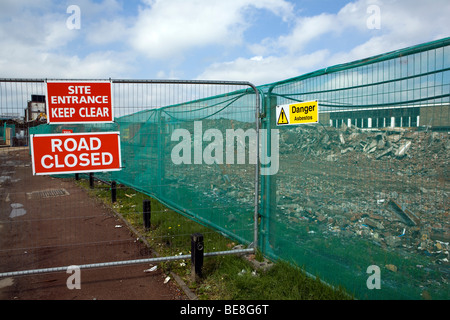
(282,119)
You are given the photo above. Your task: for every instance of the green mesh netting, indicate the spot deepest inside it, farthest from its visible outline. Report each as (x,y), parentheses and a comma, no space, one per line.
(206,185)
(364,189)
(368,185)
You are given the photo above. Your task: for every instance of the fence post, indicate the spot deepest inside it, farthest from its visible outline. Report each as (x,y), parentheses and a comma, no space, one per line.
(196,256)
(91,180)
(269,187)
(113,191)
(147,209)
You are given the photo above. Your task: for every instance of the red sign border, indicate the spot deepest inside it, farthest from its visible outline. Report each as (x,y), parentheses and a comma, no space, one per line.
(73,134)
(77,81)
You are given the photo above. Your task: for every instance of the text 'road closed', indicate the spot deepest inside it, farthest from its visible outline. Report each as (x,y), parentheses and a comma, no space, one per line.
(75,153)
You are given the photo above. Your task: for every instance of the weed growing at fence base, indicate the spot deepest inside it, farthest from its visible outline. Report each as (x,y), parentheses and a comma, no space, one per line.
(228,277)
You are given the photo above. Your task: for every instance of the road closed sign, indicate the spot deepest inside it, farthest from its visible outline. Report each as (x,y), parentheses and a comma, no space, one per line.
(79,102)
(297,113)
(75,152)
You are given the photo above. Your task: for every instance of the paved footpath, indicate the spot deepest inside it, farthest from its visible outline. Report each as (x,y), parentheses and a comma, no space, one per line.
(50,222)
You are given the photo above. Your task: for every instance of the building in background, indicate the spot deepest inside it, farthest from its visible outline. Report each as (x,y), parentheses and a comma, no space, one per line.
(35,109)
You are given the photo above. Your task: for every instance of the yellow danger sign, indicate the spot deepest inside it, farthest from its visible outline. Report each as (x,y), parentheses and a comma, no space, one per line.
(298,113)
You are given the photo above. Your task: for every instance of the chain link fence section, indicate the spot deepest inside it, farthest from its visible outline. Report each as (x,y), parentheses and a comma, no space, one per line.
(174,149)
(363,189)
(368,184)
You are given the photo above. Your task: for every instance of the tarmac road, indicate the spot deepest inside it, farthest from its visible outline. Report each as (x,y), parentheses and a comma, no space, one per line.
(49,222)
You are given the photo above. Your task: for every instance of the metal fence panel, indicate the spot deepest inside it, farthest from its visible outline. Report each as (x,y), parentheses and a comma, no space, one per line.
(358,199)
(180,142)
(361,198)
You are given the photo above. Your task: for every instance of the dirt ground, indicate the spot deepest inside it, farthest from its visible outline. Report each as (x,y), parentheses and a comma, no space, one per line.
(49,222)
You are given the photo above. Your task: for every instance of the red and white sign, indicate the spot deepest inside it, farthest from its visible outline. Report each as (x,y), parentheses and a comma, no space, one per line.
(75,152)
(79,102)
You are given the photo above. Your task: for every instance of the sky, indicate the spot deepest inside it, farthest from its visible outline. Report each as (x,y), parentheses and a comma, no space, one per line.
(260,41)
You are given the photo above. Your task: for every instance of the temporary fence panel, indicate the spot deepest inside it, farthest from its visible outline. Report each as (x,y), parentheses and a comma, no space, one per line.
(361,197)
(181,143)
(185,155)
(358,199)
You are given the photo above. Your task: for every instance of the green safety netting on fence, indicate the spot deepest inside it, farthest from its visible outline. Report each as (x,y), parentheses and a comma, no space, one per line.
(178,155)
(362,196)
(359,198)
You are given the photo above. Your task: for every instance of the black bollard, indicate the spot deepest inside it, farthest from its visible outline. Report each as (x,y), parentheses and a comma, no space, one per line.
(197,247)
(91,180)
(147,213)
(77,176)
(113,191)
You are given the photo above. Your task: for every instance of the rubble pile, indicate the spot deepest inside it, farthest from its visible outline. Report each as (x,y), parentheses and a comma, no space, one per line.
(317,141)
(387,186)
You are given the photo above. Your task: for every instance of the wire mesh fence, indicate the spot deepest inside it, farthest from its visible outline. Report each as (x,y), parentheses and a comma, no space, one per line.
(366,188)
(161,159)
(358,198)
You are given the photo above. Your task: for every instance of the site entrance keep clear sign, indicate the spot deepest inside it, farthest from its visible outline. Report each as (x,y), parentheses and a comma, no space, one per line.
(75,102)
(79,102)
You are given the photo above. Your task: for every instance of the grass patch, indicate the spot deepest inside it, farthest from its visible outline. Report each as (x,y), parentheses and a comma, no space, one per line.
(227,277)
(233,278)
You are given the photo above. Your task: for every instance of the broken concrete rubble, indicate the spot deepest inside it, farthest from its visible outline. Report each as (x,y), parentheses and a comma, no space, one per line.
(391,185)
(388,187)
(401,151)
(407,216)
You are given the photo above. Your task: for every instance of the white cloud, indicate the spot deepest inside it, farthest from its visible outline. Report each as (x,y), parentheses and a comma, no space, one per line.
(402,23)
(259,70)
(23,63)
(107,31)
(167,29)
(39,44)
(117,40)
(306,30)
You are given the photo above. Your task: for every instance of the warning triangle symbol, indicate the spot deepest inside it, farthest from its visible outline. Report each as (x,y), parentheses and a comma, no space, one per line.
(282,119)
